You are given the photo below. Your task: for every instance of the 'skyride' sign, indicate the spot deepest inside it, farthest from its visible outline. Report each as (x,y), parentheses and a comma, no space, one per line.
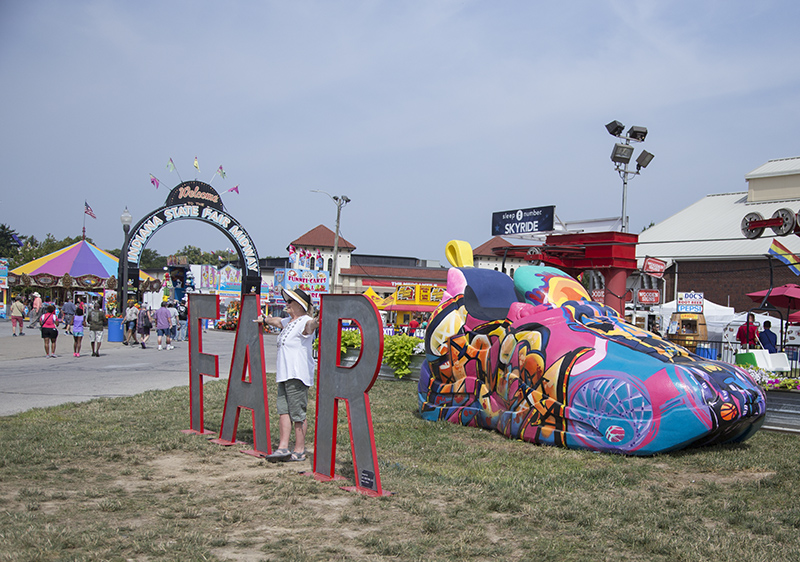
(523,221)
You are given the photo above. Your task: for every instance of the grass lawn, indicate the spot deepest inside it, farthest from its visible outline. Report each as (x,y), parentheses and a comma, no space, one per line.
(115,479)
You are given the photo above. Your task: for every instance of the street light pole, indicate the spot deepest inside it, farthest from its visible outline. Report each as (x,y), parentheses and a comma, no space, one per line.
(624,174)
(340,201)
(621,156)
(122,290)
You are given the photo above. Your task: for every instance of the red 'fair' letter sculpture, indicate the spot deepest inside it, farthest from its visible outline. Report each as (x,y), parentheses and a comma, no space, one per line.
(200,364)
(350,384)
(248,355)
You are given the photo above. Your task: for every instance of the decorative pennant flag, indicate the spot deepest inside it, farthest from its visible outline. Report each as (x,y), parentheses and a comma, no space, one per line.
(234,188)
(171,165)
(783,254)
(221,172)
(154,181)
(196,165)
(88,210)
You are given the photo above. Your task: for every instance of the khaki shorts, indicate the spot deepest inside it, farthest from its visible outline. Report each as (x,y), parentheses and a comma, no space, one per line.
(293,399)
(96,336)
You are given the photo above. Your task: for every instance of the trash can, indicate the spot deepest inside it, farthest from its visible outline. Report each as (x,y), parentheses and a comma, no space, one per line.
(115,332)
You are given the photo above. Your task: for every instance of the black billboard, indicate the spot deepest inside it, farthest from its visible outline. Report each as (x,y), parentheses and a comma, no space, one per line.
(523,221)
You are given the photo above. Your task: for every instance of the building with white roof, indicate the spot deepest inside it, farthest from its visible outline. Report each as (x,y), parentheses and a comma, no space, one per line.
(704,246)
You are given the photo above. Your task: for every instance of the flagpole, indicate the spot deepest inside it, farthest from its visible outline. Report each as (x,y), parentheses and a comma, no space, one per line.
(83,235)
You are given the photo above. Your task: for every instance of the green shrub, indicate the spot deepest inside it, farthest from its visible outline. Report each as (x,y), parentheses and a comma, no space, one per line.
(397,352)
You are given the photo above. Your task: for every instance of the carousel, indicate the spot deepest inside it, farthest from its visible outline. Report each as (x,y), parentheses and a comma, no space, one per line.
(80,268)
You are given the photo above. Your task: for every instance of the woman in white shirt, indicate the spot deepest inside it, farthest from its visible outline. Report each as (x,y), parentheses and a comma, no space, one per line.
(295,372)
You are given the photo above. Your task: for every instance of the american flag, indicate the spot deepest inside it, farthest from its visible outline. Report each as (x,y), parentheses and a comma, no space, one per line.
(88,210)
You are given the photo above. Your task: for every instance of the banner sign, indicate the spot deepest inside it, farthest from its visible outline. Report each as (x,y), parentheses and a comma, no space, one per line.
(385,283)
(654,267)
(419,294)
(313,282)
(197,201)
(648,296)
(523,221)
(3,273)
(194,193)
(599,295)
(690,302)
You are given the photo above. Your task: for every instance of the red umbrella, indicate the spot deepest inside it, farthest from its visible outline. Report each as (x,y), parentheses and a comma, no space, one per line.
(785,296)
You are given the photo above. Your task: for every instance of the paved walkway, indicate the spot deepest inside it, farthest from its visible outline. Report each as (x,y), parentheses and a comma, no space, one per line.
(28,379)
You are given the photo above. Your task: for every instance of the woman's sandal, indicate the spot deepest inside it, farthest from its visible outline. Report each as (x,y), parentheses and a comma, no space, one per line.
(280,455)
(296,457)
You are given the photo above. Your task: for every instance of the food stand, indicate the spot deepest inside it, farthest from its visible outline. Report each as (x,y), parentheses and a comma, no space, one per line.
(687,326)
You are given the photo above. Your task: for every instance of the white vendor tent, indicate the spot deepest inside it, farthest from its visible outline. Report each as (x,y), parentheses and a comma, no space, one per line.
(716,315)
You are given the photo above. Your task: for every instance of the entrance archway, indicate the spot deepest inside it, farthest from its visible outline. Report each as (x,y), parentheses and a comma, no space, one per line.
(190,200)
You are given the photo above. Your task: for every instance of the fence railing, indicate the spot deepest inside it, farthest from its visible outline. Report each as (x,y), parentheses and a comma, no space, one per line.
(726,351)
(392,331)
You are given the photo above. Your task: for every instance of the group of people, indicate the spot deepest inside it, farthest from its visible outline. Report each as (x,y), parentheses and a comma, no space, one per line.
(170,321)
(748,334)
(296,367)
(76,317)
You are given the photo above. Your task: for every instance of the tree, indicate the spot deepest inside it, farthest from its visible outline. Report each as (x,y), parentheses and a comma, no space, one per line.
(196,256)
(9,246)
(150,259)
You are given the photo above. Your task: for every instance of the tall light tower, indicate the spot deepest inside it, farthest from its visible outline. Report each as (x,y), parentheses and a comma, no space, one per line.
(340,201)
(621,156)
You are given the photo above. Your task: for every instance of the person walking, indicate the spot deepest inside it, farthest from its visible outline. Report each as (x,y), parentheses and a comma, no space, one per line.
(36,310)
(144,323)
(173,320)
(163,325)
(295,372)
(49,322)
(96,322)
(68,314)
(131,317)
(183,319)
(77,332)
(17,314)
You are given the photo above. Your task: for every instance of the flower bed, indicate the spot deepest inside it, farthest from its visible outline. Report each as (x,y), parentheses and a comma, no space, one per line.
(783,399)
(773,381)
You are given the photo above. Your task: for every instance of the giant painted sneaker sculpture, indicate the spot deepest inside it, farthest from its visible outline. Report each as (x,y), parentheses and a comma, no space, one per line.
(536,359)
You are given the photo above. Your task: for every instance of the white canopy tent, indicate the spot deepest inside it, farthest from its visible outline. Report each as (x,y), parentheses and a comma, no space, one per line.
(716,315)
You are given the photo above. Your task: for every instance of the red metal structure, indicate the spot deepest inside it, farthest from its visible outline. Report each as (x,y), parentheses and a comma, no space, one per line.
(613,253)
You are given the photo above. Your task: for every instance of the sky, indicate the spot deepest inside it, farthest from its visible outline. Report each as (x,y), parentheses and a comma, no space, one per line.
(429,115)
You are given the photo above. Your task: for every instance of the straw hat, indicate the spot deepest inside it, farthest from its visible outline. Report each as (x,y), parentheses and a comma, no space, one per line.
(35,294)
(297,295)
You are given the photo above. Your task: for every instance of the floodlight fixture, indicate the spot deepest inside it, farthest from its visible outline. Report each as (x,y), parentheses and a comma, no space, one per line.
(615,128)
(643,160)
(622,153)
(637,133)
